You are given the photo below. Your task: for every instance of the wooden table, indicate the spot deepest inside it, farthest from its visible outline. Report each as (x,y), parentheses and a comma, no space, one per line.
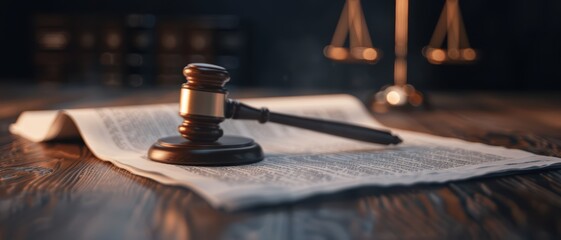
(60,190)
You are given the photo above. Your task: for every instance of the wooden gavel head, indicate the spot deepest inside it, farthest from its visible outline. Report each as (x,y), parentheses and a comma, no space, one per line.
(202,101)
(202,105)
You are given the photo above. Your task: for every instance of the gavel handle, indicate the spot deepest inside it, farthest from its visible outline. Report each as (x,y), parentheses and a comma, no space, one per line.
(237,110)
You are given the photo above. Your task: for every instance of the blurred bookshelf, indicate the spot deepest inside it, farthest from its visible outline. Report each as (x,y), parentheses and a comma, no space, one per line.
(134,50)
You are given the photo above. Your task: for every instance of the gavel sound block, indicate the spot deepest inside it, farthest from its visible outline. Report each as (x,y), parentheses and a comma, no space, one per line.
(203,106)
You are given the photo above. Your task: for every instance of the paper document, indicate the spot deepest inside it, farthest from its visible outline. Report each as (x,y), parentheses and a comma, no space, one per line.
(298,163)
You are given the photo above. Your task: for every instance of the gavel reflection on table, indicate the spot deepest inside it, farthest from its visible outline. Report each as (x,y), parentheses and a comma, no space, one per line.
(203,106)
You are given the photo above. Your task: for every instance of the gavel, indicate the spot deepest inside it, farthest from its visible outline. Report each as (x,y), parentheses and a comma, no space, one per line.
(203,105)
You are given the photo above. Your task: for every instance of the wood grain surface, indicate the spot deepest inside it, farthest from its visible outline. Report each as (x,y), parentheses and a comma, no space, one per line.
(59,190)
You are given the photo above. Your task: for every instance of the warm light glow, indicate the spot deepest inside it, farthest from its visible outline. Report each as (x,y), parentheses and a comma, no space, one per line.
(395,95)
(437,55)
(393,98)
(369,54)
(186,71)
(336,53)
(469,54)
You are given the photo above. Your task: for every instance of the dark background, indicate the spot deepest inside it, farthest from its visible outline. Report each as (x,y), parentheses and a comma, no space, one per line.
(519,41)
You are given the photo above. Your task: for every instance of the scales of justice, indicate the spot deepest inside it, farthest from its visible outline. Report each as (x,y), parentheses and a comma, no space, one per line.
(450,26)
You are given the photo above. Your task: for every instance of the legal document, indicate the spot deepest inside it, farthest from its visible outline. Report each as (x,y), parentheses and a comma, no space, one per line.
(298,163)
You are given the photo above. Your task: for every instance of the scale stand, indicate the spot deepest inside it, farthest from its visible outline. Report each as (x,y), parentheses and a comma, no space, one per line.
(400,94)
